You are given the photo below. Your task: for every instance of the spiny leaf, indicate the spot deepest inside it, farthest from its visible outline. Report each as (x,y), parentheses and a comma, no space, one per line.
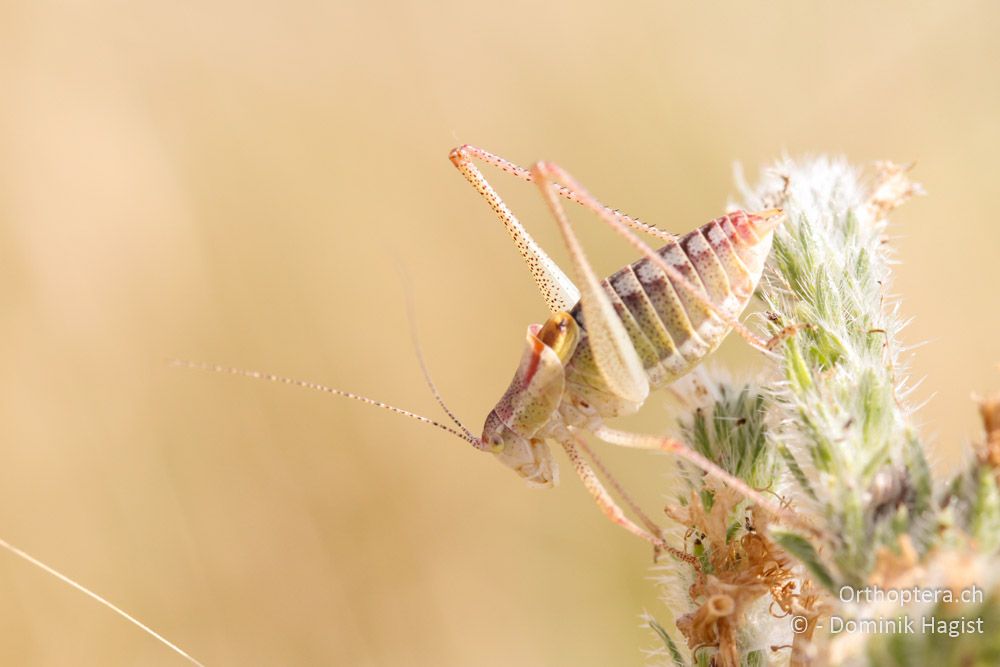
(806,554)
(669,642)
(796,471)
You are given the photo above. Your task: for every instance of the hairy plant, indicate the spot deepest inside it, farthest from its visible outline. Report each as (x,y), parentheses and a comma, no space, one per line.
(827,428)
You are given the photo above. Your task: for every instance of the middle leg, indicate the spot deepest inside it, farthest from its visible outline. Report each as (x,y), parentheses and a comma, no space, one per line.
(678,448)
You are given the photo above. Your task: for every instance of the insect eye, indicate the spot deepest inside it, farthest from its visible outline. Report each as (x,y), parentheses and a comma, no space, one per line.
(496,444)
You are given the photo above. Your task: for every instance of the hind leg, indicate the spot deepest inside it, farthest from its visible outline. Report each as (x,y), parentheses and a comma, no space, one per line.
(561,178)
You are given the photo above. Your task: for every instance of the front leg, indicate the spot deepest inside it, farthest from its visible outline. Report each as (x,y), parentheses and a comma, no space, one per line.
(678,448)
(613,512)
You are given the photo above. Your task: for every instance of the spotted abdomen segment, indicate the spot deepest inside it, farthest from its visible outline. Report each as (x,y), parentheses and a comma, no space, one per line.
(669,324)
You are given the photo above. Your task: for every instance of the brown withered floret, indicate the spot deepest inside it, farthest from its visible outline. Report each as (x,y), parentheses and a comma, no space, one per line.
(741,569)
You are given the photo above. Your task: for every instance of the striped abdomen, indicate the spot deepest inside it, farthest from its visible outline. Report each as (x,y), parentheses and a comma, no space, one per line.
(671,328)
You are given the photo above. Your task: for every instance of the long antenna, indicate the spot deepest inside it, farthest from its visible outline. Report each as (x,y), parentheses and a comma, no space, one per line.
(411,317)
(23,555)
(271,377)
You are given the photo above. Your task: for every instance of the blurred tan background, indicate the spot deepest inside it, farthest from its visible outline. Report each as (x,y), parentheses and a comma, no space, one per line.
(236,182)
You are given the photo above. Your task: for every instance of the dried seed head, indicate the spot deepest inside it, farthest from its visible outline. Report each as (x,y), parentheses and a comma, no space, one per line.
(989,410)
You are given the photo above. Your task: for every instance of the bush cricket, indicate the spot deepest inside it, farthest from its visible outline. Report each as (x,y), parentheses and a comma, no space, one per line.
(604,347)
(607,343)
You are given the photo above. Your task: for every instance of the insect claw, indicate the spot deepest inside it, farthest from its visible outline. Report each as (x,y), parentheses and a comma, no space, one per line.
(770,218)
(769,213)
(786,333)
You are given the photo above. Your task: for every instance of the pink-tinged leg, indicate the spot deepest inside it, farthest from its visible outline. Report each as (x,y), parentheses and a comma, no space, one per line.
(617,487)
(640,441)
(509,167)
(562,178)
(613,351)
(556,288)
(612,511)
